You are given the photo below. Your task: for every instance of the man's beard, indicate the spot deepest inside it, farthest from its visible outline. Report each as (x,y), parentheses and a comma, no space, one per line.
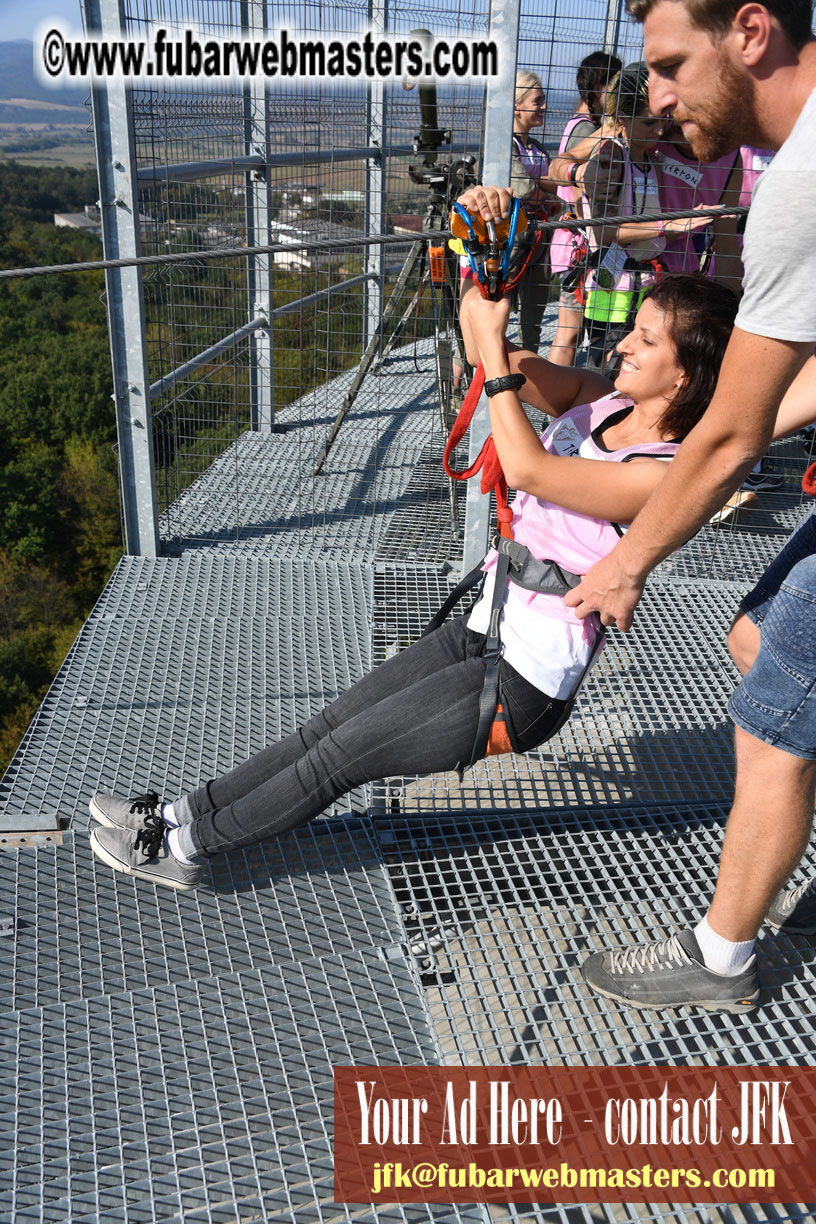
(729,120)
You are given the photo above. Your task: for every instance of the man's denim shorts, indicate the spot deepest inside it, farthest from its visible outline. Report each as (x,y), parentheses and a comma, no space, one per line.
(776,701)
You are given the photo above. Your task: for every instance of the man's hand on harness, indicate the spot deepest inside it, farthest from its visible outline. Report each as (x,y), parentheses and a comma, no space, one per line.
(609,590)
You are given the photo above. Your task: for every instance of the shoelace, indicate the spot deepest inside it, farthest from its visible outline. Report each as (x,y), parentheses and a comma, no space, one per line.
(663,953)
(793,898)
(145,803)
(150,837)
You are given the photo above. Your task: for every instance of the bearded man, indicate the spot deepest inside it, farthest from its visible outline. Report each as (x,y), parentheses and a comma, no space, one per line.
(733,74)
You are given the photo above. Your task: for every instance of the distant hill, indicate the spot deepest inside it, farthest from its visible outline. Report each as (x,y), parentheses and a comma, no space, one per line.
(17,80)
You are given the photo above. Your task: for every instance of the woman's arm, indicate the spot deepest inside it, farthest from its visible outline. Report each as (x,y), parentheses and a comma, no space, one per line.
(614,491)
(549,388)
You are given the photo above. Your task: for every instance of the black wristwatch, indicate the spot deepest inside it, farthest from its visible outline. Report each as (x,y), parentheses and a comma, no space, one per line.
(509,382)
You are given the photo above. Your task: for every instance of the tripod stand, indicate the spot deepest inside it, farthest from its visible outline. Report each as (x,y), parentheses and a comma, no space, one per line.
(427,260)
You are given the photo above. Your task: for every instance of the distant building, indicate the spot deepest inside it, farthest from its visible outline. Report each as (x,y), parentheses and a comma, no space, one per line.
(312,230)
(89,221)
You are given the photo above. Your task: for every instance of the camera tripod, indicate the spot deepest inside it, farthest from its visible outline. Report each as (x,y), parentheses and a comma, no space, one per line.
(430,263)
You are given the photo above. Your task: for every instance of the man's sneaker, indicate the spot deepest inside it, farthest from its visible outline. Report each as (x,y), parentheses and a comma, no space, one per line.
(767,478)
(669,973)
(145,854)
(124,813)
(794,910)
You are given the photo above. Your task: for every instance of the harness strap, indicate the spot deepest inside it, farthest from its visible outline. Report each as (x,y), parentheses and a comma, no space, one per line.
(515,563)
(532,573)
(487,460)
(489,699)
(459,591)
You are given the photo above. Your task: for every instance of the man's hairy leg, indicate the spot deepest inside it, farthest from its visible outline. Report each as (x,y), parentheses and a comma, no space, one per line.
(767,834)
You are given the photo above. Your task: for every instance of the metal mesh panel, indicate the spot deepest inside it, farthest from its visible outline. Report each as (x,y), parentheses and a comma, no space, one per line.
(505,908)
(222,1115)
(319,892)
(167,697)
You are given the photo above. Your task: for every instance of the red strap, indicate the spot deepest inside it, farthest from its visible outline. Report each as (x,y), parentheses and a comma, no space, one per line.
(487,460)
(809,480)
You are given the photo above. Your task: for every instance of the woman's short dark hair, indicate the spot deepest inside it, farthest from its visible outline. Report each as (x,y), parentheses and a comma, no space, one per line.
(700,314)
(594,74)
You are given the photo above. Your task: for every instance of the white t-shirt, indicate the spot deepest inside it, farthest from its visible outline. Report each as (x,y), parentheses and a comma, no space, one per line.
(779,253)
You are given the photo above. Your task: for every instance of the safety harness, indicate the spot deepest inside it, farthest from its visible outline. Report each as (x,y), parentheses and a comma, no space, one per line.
(489,249)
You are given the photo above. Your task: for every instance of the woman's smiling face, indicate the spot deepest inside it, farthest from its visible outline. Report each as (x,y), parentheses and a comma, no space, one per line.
(649,370)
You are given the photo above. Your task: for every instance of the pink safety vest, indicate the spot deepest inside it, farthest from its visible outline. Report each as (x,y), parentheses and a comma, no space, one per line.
(576,541)
(754,163)
(567,194)
(682,183)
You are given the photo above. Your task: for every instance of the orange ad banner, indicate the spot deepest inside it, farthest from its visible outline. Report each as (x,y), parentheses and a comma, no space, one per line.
(574,1134)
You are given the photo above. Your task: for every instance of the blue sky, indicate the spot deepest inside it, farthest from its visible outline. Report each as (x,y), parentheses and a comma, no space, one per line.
(20,18)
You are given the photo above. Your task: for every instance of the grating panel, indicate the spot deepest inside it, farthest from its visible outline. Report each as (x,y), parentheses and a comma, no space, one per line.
(506,907)
(82,929)
(213,586)
(202,1101)
(503,908)
(346,510)
(168,702)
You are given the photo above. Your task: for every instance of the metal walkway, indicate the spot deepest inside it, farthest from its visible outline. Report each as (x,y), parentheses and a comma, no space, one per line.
(169,1057)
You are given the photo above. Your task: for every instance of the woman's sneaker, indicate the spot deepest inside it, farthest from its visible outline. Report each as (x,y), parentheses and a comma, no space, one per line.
(669,973)
(145,854)
(794,910)
(124,813)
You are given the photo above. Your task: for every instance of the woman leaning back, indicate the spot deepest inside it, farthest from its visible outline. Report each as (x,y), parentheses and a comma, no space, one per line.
(579,484)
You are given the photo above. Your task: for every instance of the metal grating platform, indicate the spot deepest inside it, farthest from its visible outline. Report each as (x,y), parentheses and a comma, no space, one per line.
(504,908)
(167,1078)
(206,1100)
(164,696)
(82,930)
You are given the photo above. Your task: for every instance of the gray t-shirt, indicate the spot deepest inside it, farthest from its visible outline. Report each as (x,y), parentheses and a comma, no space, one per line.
(780,241)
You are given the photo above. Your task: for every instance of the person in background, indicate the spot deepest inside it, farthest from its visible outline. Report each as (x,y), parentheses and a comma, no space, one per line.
(592,79)
(529,178)
(683,181)
(686,182)
(621,179)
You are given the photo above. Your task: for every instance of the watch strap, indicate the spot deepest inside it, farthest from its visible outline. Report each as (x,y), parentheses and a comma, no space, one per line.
(508,382)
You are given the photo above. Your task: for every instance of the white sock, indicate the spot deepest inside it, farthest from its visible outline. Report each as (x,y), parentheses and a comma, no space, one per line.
(175,849)
(720,955)
(169,816)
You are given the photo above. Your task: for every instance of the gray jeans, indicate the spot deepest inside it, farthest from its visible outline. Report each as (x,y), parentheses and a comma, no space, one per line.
(417,713)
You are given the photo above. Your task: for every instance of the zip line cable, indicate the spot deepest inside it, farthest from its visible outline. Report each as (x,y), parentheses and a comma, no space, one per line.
(342,244)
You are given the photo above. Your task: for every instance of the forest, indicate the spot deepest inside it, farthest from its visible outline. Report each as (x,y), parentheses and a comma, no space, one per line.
(59,505)
(60,521)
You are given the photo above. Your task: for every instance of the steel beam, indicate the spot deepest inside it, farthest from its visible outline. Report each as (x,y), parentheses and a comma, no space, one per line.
(119,207)
(259,227)
(498,138)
